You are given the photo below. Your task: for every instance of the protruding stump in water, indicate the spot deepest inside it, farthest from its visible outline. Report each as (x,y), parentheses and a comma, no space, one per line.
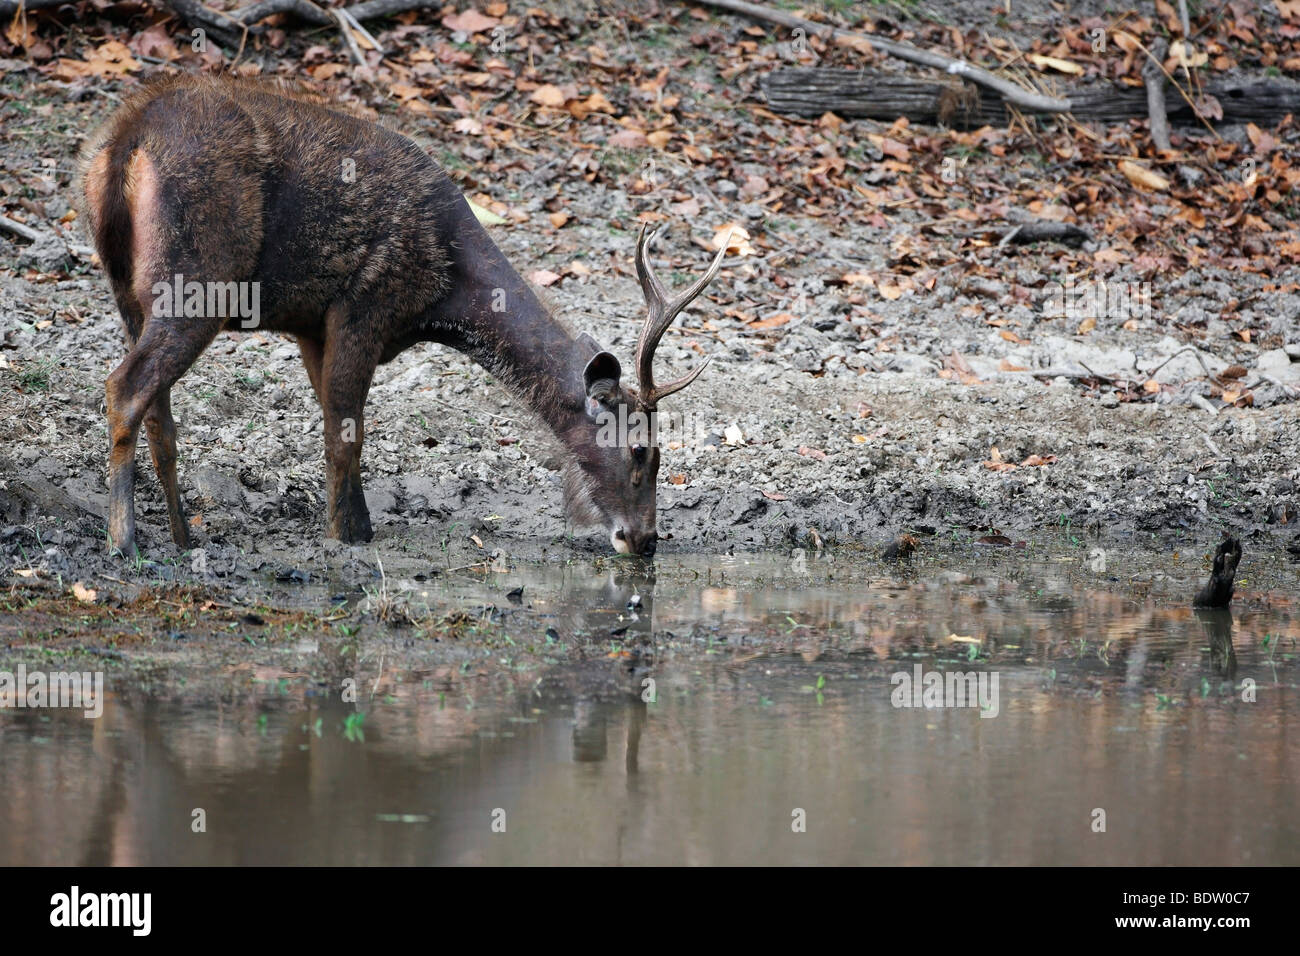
(1218,590)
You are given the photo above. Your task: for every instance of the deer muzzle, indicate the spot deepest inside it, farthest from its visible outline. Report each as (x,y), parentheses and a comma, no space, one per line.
(628,541)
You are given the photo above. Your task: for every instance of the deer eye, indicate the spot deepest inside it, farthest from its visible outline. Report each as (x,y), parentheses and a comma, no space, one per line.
(638,454)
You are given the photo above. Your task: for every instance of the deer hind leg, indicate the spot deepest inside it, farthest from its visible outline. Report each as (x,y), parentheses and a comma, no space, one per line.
(347,367)
(159,425)
(139,388)
(160,428)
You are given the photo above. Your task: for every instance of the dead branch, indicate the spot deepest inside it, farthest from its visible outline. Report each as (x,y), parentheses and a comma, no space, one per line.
(1043,229)
(230,27)
(1010,92)
(42,236)
(227,30)
(304,10)
(349,40)
(374,9)
(1153,75)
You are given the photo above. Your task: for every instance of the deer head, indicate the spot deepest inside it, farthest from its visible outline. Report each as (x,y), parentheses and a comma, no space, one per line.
(612,480)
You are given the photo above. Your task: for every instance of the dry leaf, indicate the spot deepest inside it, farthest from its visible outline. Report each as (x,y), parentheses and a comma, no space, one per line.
(1142,177)
(1052,63)
(772,321)
(548,95)
(83,594)
(595,103)
(628,139)
(736,238)
(1186,55)
(889,290)
(471,21)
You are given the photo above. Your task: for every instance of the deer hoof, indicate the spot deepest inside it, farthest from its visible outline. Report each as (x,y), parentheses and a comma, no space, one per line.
(352,528)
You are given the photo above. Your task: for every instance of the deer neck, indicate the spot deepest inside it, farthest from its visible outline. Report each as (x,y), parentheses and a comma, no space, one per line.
(494,318)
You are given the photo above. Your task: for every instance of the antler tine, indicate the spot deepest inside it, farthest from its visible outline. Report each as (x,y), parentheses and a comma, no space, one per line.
(663,391)
(651,332)
(650,285)
(661,313)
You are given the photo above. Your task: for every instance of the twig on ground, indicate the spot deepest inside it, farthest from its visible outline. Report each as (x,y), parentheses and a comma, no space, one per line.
(345,28)
(36,235)
(369,37)
(1065,232)
(1189,348)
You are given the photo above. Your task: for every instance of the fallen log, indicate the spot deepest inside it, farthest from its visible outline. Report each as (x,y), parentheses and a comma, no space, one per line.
(1012,93)
(812,91)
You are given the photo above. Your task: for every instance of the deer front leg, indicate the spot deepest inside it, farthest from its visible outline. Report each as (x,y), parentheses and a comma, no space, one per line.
(347,370)
(313,355)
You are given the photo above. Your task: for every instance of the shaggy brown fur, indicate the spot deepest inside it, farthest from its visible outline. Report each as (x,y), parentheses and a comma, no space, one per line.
(225,180)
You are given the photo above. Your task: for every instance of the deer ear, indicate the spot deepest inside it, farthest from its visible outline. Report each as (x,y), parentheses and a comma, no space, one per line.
(602,367)
(587,339)
(600,378)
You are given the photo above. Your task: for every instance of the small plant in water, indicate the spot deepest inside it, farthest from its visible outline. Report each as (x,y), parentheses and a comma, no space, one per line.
(352,727)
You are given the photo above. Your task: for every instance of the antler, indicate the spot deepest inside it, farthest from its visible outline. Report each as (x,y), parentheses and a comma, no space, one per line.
(661,313)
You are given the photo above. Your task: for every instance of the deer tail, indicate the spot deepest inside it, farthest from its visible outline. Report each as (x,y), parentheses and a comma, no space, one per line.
(106,186)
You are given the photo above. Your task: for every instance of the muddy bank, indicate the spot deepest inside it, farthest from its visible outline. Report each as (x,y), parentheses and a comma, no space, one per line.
(452,462)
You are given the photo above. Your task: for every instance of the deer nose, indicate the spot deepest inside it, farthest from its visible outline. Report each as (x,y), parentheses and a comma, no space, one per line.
(647,545)
(629,542)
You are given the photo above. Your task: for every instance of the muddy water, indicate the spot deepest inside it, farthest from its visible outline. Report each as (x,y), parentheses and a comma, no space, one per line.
(729,710)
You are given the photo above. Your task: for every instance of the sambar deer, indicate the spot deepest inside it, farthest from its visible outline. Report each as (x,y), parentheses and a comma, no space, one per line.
(356,243)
